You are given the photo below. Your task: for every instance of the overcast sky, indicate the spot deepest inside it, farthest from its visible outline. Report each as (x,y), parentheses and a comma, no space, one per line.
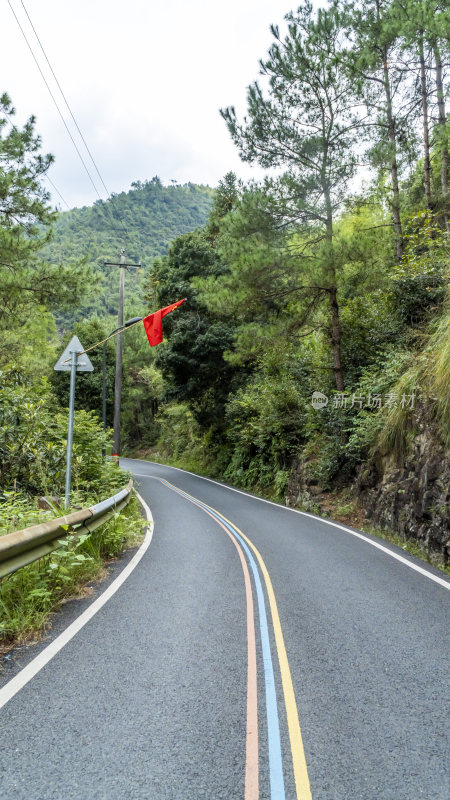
(145,80)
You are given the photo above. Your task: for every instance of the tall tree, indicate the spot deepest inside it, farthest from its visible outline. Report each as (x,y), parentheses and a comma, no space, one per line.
(307,125)
(425,120)
(422,25)
(26,280)
(225,199)
(192,355)
(408,19)
(442,127)
(380,82)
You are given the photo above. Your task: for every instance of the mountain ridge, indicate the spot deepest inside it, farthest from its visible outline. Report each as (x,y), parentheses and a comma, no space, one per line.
(143,221)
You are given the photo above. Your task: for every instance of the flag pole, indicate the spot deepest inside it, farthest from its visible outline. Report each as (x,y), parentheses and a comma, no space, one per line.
(115,333)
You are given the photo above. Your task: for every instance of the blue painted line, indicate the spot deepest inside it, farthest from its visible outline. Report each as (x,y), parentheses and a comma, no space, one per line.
(277,791)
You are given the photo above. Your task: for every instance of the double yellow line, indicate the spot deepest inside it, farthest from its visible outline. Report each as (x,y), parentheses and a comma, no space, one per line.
(302,785)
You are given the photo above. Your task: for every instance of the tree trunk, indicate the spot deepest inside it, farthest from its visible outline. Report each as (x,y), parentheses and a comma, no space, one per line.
(335,338)
(394,170)
(426,140)
(443,131)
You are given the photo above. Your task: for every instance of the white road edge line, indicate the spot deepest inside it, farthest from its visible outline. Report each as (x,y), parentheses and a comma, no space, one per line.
(27,673)
(410,564)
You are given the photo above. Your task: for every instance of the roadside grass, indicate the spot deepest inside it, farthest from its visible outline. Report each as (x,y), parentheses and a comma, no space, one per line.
(30,595)
(18,511)
(409,545)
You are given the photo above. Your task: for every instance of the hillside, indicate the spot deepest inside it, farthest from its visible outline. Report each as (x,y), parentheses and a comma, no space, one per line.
(143,220)
(311,361)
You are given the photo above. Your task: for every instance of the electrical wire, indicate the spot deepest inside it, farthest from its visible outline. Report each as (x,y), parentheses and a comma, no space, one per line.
(74,120)
(65,100)
(57,191)
(54,100)
(111,207)
(111,336)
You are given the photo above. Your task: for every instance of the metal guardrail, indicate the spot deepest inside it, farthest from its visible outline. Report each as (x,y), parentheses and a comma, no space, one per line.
(25,546)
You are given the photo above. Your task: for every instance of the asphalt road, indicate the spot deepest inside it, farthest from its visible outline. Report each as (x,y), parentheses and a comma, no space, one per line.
(253,653)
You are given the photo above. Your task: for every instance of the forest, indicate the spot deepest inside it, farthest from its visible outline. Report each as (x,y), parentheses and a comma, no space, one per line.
(311,361)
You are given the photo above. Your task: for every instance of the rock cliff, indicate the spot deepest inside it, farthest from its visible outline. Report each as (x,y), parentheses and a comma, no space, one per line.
(408,495)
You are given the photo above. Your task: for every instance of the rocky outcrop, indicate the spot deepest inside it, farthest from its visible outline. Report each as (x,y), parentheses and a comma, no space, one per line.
(411,498)
(408,495)
(303,491)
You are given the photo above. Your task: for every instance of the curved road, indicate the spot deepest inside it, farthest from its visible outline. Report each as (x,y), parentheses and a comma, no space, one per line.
(253,653)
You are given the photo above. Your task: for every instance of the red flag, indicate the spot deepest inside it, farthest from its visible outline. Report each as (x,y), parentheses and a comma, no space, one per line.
(153,323)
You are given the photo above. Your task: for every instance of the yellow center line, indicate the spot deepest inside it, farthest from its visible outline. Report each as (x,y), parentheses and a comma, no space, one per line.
(302,784)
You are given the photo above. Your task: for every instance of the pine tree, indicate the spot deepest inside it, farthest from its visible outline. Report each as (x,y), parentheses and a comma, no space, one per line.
(422,25)
(380,79)
(437,35)
(308,126)
(25,219)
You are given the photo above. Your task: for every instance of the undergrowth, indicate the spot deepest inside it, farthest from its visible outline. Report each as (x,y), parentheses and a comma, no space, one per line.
(409,545)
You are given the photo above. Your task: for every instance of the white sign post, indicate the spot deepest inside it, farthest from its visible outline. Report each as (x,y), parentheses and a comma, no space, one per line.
(71,362)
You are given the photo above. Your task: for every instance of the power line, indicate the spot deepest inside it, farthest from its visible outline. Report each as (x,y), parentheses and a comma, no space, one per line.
(74,121)
(53,98)
(65,100)
(57,191)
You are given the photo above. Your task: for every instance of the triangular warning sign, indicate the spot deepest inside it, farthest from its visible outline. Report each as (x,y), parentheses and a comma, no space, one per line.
(83,362)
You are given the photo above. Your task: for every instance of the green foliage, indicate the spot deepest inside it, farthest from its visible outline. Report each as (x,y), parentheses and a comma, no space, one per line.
(266,420)
(182,442)
(32,347)
(143,390)
(428,374)
(27,281)
(364,425)
(369,328)
(420,278)
(225,199)
(274,367)
(191,359)
(17,511)
(307,124)
(144,220)
(33,436)
(180,432)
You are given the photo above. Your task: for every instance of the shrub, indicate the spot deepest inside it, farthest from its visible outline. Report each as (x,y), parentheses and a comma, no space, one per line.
(33,441)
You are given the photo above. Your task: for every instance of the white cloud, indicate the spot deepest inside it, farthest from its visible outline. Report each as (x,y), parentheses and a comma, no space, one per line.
(145,81)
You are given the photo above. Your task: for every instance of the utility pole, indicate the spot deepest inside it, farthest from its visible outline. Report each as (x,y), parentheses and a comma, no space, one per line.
(123,265)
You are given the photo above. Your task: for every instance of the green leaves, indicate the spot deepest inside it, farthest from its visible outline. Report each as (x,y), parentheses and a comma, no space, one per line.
(308,122)
(191,357)
(33,431)
(152,215)
(26,281)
